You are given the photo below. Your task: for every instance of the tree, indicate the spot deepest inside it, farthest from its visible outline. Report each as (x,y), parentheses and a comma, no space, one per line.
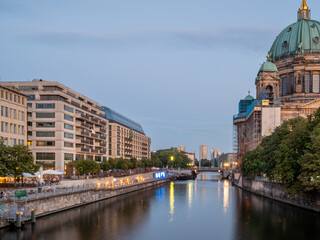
(86,166)
(16,160)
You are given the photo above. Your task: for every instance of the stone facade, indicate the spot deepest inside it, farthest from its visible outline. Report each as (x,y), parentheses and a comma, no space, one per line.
(13,118)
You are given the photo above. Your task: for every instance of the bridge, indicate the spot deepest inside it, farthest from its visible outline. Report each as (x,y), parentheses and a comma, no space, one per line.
(209,169)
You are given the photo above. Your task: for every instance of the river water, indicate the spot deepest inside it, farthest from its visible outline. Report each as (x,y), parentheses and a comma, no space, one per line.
(186,210)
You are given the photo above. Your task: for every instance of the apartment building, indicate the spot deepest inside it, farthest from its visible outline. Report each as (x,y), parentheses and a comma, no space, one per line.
(13,116)
(126,137)
(62,124)
(203,152)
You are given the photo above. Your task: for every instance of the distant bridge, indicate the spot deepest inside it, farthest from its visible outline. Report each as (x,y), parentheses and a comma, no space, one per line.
(209,169)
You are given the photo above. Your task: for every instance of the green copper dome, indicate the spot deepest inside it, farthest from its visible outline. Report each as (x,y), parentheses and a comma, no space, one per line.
(301,37)
(268,67)
(249,97)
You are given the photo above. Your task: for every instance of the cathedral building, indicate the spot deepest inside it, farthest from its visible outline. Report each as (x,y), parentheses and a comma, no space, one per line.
(287,84)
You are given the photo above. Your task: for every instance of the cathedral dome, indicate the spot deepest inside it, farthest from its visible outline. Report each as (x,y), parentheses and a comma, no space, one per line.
(299,38)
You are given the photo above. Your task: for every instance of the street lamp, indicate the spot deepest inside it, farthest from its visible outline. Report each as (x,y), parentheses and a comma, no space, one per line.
(172,159)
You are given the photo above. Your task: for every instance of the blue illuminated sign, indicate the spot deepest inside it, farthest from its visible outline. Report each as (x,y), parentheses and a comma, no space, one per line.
(158,175)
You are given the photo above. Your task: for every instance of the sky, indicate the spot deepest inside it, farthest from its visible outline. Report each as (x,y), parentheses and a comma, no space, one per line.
(177,67)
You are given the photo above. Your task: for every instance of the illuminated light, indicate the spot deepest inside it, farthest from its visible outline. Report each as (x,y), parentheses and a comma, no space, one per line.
(172,158)
(159,175)
(114,180)
(99,185)
(172,200)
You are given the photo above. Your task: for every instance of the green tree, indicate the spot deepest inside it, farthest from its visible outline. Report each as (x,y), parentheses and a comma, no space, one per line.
(86,166)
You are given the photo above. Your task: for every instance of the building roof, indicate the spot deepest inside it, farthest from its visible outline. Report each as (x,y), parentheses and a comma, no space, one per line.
(113,116)
(301,37)
(13,90)
(268,66)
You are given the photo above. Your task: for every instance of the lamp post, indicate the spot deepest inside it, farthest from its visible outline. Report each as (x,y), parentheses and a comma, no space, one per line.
(172,159)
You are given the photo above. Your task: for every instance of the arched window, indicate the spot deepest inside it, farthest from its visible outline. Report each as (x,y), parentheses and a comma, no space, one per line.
(270,93)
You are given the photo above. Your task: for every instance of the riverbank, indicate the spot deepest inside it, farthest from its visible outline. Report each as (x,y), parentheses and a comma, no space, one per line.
(97,190)
(277,192)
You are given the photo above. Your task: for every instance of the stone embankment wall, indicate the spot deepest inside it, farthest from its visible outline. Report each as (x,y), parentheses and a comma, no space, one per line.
(277,192)
(53,204)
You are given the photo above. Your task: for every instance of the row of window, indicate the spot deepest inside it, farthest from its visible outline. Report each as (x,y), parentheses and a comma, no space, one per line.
(12,113)
(50,144)
(52,134)
(52,156)
(12,97)
(12,141)
(14,128)
(314,82)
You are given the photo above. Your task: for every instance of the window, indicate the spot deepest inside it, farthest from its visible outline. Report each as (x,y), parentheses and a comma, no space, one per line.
(292,84)
(20,130)
(29,114)
(4,127)
(15,98)
(1,93)
(67,117)
(18,99)
(68,144)
(45,143)
(22,99)
(10,96)
(45,105)
(13,113)
(20,141)
(68,135)
(13,141)
(67,126)
(45,134)
(45,124)
(29,133)
(13,128)
(68,156)
(29,143)
(30,97)
(29,104)
(6,95)
(78,111)
(45,156)
(315,85)
(79,156)
(307,83)
(28,88)
(284,86)
(67,108)
(4,111)
(45,115)
(5,141)
(20,116)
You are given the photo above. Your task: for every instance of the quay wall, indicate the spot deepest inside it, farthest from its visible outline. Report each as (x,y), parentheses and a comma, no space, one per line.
(53,204)
(277,192)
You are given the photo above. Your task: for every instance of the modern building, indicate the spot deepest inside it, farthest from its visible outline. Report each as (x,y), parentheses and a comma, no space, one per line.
(214,153)
(228,160)
(191,156)
(126,137)
(287,84)
(62,124)
(13,116)
(181,148)
(203,152)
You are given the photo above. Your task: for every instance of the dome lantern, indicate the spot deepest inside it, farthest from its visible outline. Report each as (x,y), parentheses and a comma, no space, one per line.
(304,11)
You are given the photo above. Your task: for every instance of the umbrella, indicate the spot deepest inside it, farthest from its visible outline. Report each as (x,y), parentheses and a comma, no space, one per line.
(52,172)
(29,175)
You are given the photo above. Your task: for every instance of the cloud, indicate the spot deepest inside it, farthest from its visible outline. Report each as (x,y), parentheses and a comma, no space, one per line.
(248,37)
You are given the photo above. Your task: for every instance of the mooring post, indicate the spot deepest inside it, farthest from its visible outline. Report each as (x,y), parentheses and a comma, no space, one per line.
(18,220)
(33,216)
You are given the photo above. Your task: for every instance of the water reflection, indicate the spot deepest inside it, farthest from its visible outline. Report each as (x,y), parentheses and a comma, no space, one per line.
(209,176)
(171,200)
(259,218)
(225,195)
(185,210)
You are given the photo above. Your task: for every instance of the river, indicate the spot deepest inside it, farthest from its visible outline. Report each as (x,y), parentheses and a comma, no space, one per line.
(186,210)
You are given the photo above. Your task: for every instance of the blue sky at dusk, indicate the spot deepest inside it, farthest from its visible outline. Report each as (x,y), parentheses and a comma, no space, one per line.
(178,67)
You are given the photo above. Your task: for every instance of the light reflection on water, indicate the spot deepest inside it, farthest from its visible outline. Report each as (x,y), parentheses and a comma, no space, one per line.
(185,210)
(209,176)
